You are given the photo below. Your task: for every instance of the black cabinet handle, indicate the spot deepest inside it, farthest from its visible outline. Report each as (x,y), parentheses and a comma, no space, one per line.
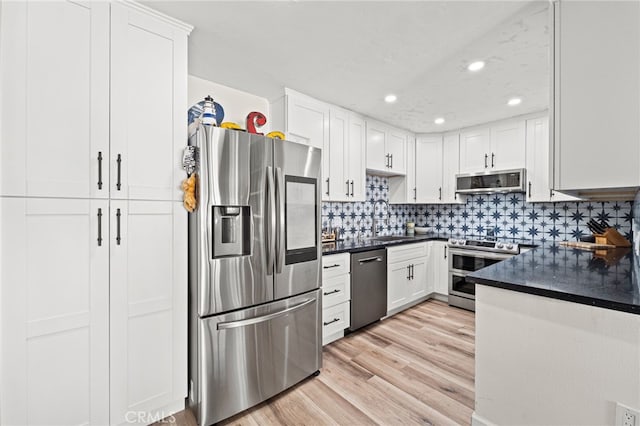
(440,193)
(118,239)
(445,252)
(119,161)
(331,292)
(327,186)
(352,188)
(331,266)
(408,272)
(529,189)
(99,227)
(391,158)
(347,194)
(332,321)
(493,156)
(412,269)
(415,193)
(99,169)
(386,164)
(486,157)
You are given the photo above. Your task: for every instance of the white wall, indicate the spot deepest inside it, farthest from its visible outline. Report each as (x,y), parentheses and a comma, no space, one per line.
(236,103)
(542,361)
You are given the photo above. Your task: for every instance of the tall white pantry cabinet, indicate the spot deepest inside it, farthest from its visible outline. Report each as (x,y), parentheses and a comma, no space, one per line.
(93,276)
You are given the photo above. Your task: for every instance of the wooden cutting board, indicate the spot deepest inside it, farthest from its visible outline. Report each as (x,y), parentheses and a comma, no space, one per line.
(587,246)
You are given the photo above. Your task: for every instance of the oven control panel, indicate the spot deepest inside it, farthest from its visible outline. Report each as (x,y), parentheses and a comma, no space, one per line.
(485,245)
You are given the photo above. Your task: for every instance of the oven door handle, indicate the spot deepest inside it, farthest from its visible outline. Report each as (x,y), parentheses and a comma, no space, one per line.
(480,254)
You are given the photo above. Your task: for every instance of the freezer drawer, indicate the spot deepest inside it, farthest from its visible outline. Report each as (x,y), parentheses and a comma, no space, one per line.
(251,355)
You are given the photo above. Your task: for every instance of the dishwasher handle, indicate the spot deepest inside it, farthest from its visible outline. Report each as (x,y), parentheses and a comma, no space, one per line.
(370,259)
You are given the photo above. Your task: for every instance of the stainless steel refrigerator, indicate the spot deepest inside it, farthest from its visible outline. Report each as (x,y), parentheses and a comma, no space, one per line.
(254,271)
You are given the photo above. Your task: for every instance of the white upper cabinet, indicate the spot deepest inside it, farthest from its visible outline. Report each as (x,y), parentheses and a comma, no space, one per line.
(597,101)
(538,163)
(396,146)
(450,167)
(429,169)
(307,120)
(339,184)
(148,104)
(499,147)
(377,155)
(386,149)
(356,159)
(55,99)
(507,145)
(474,150)
(54,313)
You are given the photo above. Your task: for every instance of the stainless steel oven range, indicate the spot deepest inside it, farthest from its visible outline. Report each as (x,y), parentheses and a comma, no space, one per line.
(466,256)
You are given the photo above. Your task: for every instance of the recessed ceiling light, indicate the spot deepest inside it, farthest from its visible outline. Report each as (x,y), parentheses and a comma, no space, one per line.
(390,98)
(439,120)
(514,101)
(476,66)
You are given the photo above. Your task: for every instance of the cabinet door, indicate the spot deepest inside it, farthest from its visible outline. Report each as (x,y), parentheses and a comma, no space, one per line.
(419,283)
(376,146)
(538,157)
(148,308)
(308,122)
(356,149)
(148,104)
(397,285)
(396,148)
(474,151)
(508,146)
(55,99)
(440,257)
(596,101)
(411,190)
(429,169)
(450,167)
(334,159)
(54,313)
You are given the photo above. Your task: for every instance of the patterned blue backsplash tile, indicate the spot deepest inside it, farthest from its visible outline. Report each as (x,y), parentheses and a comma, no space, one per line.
(509,215)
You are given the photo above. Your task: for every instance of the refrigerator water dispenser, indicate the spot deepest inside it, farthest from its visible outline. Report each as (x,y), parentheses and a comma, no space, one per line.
(231,231)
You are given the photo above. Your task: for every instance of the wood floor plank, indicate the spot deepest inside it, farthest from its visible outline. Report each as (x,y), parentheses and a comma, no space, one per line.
(416,367)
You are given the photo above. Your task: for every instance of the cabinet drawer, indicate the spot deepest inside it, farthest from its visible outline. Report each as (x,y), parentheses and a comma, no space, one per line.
(406,252)
(335,319)
(336,290)
(335,264)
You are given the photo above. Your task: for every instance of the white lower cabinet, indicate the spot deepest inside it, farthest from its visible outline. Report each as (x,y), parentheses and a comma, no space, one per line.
(336,296)
(406,275)
(89,336)
(439,267)
(148,323)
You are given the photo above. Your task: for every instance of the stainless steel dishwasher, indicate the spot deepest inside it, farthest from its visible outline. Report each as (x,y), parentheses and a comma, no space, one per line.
(368,287)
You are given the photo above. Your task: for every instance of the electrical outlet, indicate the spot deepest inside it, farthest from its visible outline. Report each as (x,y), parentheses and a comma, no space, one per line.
(626,416)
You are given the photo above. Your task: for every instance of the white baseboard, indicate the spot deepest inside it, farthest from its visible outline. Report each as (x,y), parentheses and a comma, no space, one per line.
(476,420)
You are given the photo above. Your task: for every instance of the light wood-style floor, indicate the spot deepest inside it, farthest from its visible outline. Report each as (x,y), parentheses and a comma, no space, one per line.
(416,367)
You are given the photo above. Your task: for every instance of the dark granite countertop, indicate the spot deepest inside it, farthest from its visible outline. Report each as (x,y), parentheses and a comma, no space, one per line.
(355,246)
(599,279)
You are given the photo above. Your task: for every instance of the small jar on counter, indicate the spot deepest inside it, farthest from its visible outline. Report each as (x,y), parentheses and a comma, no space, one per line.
(411,229)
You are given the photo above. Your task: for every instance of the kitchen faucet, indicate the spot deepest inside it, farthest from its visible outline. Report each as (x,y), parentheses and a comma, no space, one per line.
(374,229)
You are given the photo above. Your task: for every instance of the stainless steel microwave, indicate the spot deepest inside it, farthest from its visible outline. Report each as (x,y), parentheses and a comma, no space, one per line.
(494,181)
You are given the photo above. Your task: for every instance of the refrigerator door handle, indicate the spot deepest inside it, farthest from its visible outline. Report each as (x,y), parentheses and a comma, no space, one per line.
(263,318)
(271,223)
(280,212)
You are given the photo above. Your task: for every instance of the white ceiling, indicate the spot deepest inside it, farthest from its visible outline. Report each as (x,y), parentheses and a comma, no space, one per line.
(353,53)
